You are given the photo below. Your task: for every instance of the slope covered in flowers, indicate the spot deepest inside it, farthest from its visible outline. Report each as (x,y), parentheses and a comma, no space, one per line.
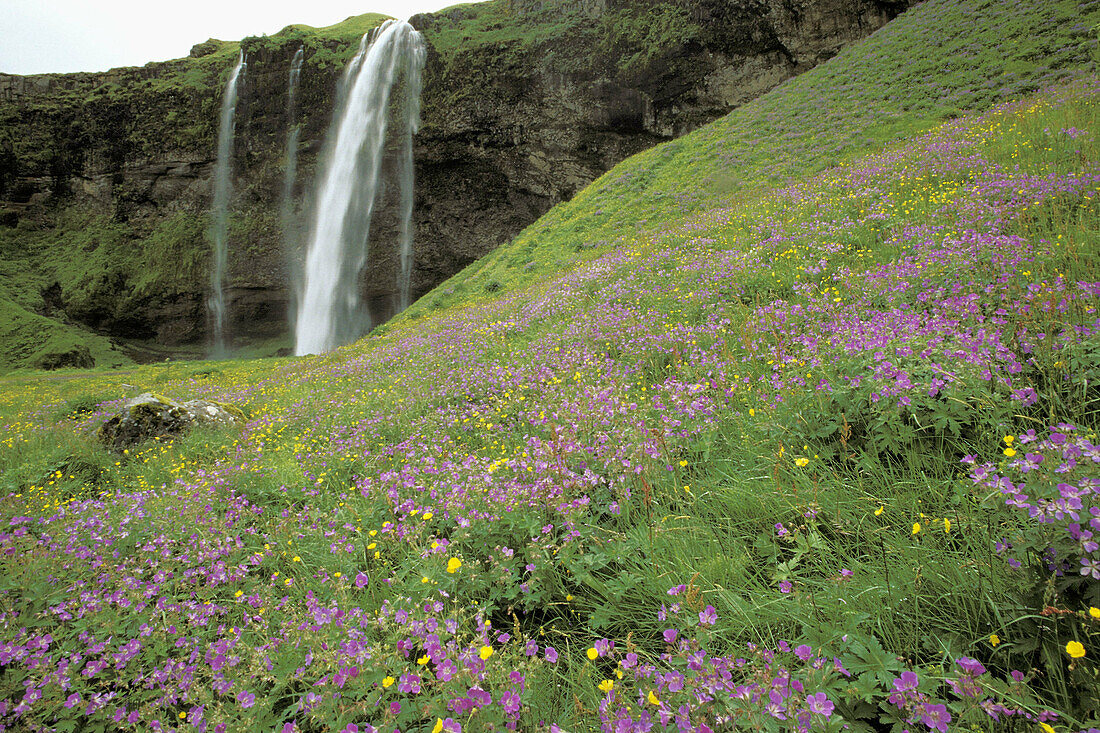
(825,456)
(940,59)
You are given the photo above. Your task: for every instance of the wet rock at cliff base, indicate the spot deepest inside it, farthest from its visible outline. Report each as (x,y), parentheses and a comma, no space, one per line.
(150,415)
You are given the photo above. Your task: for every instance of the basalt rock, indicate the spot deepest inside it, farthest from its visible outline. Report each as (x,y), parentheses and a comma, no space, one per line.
(154,416)
(525,102)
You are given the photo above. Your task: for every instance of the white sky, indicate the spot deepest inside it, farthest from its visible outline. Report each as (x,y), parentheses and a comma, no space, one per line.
(40,36)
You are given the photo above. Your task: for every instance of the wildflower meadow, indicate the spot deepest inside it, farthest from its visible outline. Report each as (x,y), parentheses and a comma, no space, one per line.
(818,456)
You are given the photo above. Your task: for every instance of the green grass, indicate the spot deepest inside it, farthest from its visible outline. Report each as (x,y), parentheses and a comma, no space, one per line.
(929,64)
(481,404)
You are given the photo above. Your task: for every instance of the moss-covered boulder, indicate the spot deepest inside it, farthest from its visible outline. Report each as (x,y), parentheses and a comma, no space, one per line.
(69,355)
(151,415)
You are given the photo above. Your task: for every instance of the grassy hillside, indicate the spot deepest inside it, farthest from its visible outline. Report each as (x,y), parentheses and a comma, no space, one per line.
(930,64)
(817,455)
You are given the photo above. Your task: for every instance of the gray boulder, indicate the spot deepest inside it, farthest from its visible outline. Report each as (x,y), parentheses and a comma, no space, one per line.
(151,415)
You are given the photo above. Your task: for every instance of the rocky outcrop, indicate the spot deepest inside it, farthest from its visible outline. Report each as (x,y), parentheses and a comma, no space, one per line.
(525,103)
(76,356)
(149,416)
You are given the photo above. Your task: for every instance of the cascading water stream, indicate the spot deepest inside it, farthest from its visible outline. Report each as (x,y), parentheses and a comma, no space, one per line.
(290,238)
(406,179)
(328,312)
(222,192)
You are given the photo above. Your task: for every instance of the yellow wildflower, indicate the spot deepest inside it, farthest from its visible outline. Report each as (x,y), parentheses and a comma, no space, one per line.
(606,686)
(453,564)
(652,698)
(592,653)
(1075,649)
(486,652)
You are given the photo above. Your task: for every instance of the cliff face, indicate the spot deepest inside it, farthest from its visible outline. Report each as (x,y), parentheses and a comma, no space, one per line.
(105,179)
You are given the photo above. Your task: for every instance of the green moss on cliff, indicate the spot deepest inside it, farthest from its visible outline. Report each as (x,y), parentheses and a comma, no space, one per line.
(33,340)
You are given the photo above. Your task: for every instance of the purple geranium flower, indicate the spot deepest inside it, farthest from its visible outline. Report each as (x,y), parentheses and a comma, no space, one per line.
(820,703)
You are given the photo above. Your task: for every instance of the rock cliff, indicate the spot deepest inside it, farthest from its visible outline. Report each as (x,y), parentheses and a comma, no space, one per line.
(105,179)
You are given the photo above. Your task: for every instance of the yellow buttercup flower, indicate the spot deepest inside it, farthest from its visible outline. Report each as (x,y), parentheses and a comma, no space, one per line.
(1075,649)
(606,686)
(438,725)
(652,698)
(1009,439)
(453,564)
(916,528)
(994,639)
(1046,728)
(486,652)
(801,462)
(388,681)
(946,525)
(1010,452)
(592,653)
(1094,612)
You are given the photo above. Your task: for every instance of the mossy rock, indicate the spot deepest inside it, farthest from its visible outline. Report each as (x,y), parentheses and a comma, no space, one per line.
(207,47)
(156,416)
(76,356)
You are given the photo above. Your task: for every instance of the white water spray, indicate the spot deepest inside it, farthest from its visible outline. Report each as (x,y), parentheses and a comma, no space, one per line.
(222,192)
(329,312)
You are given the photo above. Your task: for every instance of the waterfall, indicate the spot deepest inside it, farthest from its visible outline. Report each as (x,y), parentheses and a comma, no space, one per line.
(329,312)
(222,191)
(406,180)
(286,211)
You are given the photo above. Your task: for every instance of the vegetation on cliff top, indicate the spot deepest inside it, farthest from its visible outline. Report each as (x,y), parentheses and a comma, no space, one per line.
(819,455)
